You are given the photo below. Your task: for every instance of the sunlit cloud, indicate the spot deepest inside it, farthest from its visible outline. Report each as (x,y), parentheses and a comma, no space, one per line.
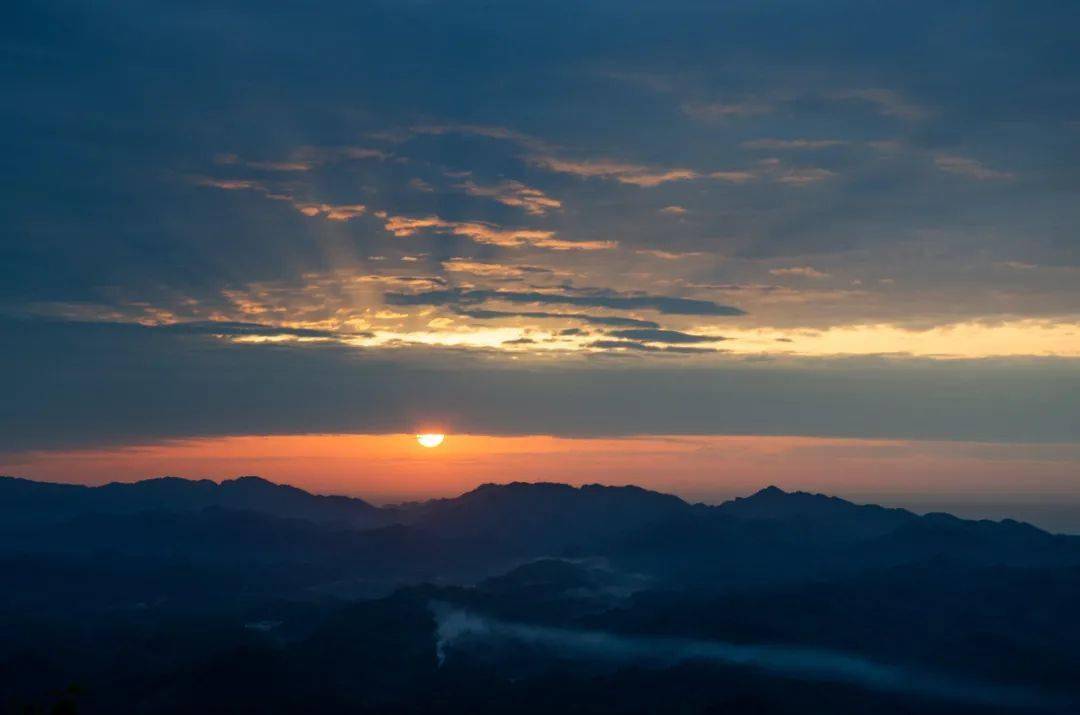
(953,341)
(622,172)
(303,158)
(230,184)
(646,347)
(647,335)
(734,177)
(496,270)
(516,194)
(333,213)
(485,233)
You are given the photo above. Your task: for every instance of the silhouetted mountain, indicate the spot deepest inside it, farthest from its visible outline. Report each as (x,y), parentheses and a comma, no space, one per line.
(526,519)
(768,535)
(25,499)
(774,503)
(817,516)
(178,596)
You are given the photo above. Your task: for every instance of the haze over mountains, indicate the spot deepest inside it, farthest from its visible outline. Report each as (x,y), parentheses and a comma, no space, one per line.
(171,595)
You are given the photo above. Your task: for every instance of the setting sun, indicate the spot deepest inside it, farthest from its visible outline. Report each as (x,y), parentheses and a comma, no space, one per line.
(430,440)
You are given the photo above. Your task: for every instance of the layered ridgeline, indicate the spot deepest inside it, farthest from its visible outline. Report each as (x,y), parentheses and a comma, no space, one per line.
(347,543)
(190,595)
(770,535)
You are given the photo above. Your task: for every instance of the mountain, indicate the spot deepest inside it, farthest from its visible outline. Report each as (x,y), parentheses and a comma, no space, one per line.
(350,547)
(544,518)
(24,499)
(179,596)
(771,533)
(774,503)
(817,516)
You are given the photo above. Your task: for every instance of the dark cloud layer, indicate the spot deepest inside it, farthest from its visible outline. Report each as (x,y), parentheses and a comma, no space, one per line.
(613,321)
(251,329)
(87,384)
(270,170)
(647,347)
(669,305)
(663,336)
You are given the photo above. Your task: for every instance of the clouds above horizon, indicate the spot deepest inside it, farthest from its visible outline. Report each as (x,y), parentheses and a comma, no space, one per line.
(602,299)
(127,385)
(607,183)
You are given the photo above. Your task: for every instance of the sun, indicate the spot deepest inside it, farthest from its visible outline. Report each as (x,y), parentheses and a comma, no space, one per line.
(430,440)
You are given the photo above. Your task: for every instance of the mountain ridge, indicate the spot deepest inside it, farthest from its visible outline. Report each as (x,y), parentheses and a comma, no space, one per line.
(251,492)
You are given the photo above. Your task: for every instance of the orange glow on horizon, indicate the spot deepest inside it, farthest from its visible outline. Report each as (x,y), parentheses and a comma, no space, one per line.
(389,468)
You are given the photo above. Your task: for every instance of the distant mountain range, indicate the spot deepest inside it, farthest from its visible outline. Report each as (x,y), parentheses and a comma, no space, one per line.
(333,603)
(23,497)
(772,534)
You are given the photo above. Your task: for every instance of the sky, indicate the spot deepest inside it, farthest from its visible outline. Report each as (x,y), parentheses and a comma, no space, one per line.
(697,246)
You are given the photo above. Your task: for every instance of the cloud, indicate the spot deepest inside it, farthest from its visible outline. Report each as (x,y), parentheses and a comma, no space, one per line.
(332,154)
(971,168)
(123,384)
(494,270)
(607,320)
(674,210)
(663,304)
(663,336)
(333,212)
(669,255)
(622,172)
(516,194)
(342,212)
(655,178)
(279,165)
(644,347)
(404,226)
(802,271)
(230,184)
(304,158)
(635,174)
(96,195)
(232,328)
(734,177)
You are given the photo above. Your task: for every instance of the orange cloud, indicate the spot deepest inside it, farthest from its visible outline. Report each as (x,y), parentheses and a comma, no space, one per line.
(516,194)
(403,226)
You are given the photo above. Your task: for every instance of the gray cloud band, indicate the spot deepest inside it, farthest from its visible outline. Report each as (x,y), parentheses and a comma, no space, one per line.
(72,384)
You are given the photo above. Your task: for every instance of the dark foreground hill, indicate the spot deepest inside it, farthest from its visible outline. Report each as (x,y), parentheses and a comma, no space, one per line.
(178,596)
